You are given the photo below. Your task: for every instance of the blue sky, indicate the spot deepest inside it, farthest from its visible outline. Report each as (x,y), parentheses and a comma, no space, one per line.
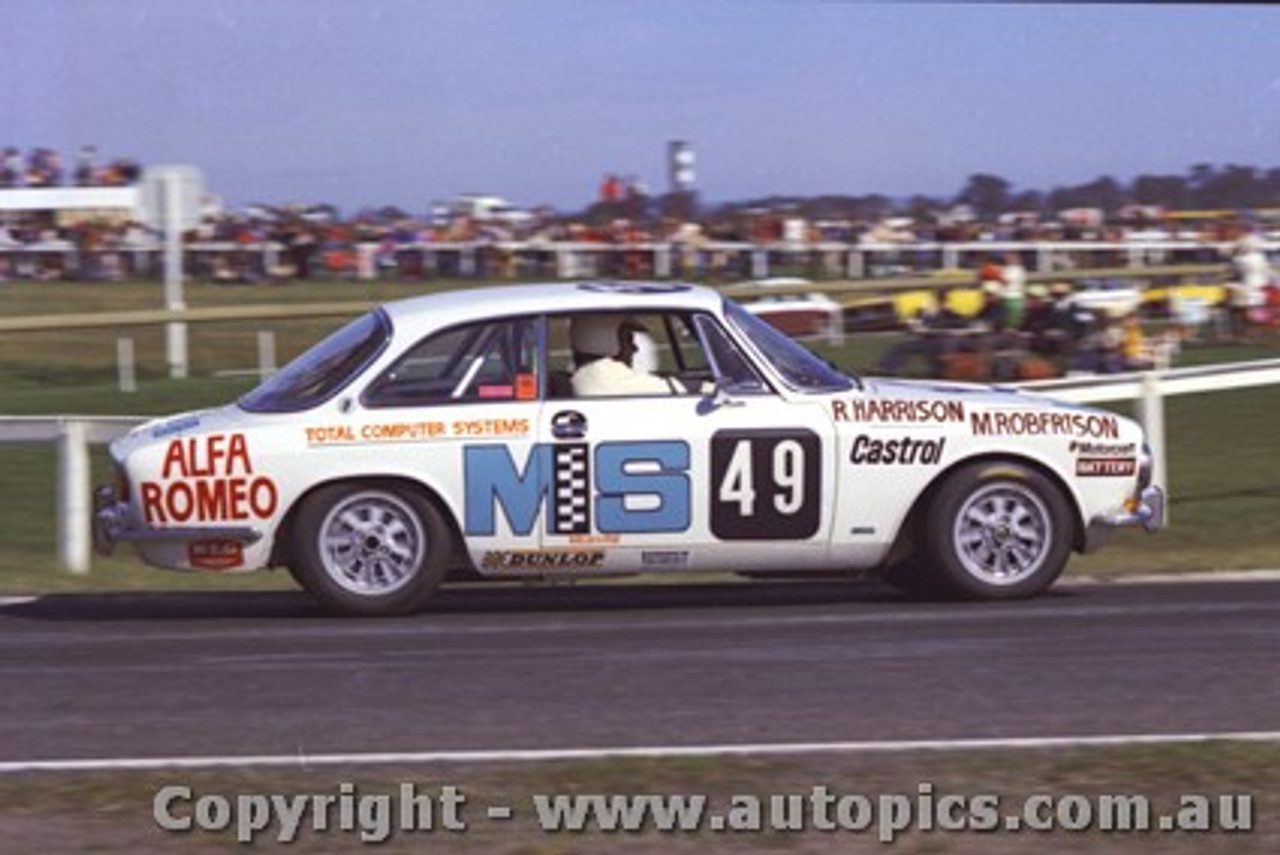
(370,102)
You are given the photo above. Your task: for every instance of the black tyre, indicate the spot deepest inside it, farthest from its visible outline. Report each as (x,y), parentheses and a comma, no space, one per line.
(369,549)
(911,577)
(996,531)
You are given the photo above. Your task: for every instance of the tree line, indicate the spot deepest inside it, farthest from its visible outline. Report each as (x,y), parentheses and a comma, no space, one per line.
(1203,187)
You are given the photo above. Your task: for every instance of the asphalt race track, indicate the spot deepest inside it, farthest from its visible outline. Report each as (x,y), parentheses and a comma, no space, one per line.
(140,676)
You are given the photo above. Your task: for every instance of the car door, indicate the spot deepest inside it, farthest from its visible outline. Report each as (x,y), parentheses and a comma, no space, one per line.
(459,412)
(728,474)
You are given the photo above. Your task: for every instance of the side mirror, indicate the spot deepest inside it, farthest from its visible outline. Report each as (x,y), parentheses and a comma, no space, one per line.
(727,394)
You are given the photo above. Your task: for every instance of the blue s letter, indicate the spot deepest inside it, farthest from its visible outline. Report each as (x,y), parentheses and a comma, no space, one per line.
(652,469)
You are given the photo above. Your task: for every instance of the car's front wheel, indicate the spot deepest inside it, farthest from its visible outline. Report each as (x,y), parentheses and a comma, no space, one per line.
(997,530)
(369,549)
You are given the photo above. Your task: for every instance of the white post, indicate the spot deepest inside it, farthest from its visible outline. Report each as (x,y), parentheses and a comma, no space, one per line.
(1151,413)
(175,331)
(857,268)
(366,269)
(73,498)
(266,353)
(126,365)
(662,261)
(176,344)
(835,327)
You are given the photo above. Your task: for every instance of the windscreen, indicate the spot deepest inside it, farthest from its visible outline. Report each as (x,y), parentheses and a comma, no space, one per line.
(799,368)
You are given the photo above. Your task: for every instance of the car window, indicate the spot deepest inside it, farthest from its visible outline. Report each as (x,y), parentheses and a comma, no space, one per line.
(491,361)
(799,368)
(323,370)
(734,370)
(666,345)
(676,348)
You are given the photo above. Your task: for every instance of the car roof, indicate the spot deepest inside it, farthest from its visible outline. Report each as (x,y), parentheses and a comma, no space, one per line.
(468,304)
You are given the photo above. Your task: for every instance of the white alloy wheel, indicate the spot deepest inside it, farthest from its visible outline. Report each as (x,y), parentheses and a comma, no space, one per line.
(369,549)
(995,530)
(372,543)
(1002,533)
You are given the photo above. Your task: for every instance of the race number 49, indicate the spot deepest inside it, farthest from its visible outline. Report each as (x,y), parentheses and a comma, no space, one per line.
(765,484)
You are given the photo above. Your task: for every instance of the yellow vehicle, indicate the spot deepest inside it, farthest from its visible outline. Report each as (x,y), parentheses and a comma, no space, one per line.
(889,311)
(886,311)
(1210,294)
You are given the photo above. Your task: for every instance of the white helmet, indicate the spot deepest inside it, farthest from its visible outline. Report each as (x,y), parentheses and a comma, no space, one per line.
(595,335)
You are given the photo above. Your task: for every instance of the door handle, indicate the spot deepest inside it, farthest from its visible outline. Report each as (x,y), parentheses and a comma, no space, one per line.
(568,424)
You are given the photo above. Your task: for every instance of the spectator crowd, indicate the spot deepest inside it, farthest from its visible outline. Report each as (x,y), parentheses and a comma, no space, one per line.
(43,167)
(1037,331)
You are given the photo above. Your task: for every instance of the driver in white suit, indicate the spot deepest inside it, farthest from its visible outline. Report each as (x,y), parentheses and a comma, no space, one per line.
(604,351)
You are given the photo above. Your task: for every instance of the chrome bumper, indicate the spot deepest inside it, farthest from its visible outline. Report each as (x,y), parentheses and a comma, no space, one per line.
(111,526)
(1149,512)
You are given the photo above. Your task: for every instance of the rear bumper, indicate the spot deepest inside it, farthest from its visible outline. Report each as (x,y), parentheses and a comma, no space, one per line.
(111,526)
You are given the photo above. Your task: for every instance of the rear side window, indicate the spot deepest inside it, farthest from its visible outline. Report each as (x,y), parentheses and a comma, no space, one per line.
(491,361)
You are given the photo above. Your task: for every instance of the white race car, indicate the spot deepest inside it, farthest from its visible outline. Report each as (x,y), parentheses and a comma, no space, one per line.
(440,434)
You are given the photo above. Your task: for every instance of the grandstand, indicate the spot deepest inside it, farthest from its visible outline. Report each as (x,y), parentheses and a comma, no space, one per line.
(65,206)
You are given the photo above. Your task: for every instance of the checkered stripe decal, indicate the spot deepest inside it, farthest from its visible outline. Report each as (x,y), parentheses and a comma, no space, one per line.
(572,486)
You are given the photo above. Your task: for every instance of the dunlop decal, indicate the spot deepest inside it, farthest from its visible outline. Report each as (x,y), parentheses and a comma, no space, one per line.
(543,559)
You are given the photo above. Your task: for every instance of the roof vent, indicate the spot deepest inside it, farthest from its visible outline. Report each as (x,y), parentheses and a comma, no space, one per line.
(611,287)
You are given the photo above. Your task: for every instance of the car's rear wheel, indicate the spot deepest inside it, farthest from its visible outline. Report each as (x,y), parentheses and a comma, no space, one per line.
(369,549)
(997,530)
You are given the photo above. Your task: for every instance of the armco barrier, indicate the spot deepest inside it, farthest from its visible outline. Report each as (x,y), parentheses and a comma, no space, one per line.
(74,434)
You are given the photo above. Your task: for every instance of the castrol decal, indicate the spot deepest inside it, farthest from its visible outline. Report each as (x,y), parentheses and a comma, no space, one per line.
(208,479)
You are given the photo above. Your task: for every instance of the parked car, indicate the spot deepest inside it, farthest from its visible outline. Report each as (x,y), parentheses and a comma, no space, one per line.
(1108,297)
(795,312)
(441,433)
